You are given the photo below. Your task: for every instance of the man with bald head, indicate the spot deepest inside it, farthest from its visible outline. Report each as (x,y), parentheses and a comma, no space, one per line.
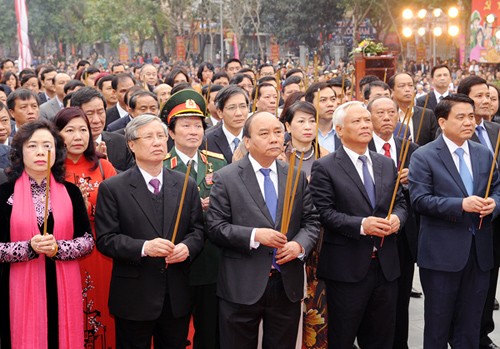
(49,109)
(261,275)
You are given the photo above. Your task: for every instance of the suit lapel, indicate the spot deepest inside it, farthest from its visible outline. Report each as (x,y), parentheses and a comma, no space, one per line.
(171,200)
(141,195)
(446,157)
(347,165)
(221,141)
(377,175)
(249,179)
(202,170)
(282,176)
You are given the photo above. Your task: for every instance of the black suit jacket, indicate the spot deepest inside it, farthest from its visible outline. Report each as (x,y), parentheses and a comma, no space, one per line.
(410,228)
(4,156)
(431,103)
(342,202)
(429,125)
(119,124)
(237,206)
(125,218)
(112,114)
(42,97)
(118,152)
(217,142)
(492,129)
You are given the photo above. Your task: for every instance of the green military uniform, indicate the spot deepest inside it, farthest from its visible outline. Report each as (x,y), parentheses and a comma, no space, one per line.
(204,268)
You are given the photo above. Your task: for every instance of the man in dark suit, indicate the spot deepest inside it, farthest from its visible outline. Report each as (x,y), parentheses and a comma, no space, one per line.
(448,180)
(135,217)
(384,118)
(4,156)
(486,133)
(403,92)
(232,106)
(112,145)
(121,83)
(327,137)
(261,275)
(139,102)
(352,189)
(441,80)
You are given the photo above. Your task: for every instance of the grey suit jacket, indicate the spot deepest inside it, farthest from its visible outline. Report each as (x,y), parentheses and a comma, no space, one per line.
(49,109)
(237,206)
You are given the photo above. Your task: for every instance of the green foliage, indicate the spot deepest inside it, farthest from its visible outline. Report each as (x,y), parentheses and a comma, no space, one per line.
(301,20)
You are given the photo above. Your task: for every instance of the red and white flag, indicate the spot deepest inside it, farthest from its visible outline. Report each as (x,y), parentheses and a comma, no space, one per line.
(22,34)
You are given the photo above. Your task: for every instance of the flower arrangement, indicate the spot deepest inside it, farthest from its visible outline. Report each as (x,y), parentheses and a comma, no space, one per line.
(369,47)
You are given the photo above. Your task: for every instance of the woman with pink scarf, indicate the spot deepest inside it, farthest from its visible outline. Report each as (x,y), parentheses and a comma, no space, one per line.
(40,285)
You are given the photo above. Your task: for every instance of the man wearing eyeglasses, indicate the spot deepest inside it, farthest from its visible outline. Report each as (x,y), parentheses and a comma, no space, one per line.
(136,216)
(232,107)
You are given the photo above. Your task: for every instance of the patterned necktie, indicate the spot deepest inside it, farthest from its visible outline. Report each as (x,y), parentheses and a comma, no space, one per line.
(387,149)
(464,171)
(271,202)
(368,181)
(236,142)
(155,183)
(480,134)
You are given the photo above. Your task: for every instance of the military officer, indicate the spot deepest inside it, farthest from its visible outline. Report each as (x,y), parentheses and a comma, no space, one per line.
(184,115)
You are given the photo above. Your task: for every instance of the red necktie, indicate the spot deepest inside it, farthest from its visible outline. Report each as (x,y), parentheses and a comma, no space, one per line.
(387,149)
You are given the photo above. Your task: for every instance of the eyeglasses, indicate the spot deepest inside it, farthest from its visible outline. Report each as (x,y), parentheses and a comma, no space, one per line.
(150,138)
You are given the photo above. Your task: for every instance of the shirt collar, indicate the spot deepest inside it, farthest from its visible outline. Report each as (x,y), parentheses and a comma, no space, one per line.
(185,159)
(355,156)
(147,177)
(256,166)
(379,142)
(452,146)
(121,111)
(229,136)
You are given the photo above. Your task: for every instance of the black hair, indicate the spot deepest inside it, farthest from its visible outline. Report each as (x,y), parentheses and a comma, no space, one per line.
(367,91)
(313,89)
(23,134)
(202,66)
(467,83)
(85,95)
(439,66)
(443,108)
(72,84)
(226,93)
(23,94)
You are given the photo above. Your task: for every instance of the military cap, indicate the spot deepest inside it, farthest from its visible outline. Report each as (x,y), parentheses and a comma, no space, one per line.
(183,103)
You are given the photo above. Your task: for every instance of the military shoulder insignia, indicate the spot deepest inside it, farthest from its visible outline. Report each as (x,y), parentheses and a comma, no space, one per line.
(168,156)
(212,154)
(173,162)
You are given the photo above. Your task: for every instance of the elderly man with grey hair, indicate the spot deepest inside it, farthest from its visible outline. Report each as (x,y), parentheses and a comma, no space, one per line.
(352,190)
(135,218)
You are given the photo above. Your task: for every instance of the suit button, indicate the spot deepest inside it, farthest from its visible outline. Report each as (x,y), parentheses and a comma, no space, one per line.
(470,229)
(162,270)
(270,252)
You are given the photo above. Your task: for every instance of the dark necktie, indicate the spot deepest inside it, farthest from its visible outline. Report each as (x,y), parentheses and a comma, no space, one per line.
(271,202)
(387,149)
(368,181)
(155,183)
(480,134)
(464,171)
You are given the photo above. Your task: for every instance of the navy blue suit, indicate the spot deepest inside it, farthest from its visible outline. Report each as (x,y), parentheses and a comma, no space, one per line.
(454,255)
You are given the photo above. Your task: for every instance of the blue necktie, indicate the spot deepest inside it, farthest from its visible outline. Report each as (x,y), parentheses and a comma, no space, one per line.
(480,134)
(271,202)
(368,181)
(236,142)
(464,171)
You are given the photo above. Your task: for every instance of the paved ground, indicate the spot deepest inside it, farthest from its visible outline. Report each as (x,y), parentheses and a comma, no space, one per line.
(417,319)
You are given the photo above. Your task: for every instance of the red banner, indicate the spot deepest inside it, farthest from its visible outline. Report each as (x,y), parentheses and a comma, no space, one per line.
(275,53)
(484,41)
(180,48)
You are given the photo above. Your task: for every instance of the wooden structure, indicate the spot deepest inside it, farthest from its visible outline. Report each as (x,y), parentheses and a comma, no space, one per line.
(373,65)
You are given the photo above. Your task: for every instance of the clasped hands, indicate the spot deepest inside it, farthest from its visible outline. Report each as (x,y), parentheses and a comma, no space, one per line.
(165,248)
(476,204)
(44,244)
(381,227)
(286,250)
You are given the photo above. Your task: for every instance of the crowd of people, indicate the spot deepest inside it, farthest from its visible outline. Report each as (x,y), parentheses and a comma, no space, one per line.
(268,206)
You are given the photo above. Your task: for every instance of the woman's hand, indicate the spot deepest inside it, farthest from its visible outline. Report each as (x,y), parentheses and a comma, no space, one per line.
(44,244)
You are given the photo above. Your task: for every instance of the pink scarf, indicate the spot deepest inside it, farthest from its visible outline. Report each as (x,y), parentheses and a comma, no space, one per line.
(28,300)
